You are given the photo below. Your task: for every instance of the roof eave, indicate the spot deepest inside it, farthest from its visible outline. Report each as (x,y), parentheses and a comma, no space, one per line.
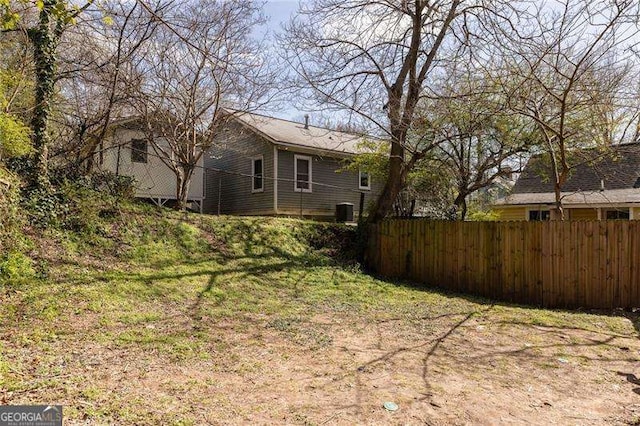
(314,150)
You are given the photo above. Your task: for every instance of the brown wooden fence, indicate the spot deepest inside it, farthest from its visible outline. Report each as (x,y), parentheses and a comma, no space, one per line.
(589,264)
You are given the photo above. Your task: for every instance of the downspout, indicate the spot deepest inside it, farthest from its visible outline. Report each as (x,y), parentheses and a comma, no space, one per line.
(275,179)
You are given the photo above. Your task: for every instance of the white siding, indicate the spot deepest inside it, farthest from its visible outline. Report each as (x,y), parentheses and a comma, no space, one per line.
(153,179)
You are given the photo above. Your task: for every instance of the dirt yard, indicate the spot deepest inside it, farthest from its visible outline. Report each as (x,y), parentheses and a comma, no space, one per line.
(454,369)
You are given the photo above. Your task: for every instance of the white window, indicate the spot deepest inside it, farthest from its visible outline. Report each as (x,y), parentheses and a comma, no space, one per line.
(364,181)
(302,173)
(257,181)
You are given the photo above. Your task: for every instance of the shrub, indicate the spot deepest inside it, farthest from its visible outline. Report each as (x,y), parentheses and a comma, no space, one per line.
(45,208)
(15,138)
(115,185)
(15,266)
(80,204)
(340,242)
(11,220)
(481,215)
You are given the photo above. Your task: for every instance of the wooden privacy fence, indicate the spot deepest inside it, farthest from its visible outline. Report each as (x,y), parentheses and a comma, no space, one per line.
(589,264)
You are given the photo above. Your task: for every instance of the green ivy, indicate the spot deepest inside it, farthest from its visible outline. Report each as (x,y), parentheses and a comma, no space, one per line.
(16,266)
(45,208)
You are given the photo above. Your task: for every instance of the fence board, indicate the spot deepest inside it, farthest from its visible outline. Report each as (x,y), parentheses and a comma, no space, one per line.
(589,264)
(632,260)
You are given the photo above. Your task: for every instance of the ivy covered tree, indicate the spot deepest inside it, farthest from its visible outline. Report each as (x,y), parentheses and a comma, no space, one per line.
(53,17)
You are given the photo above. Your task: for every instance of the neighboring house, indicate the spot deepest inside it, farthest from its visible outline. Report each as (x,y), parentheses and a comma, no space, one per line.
(259,165)
(607,187)
(127,152)
(268,166)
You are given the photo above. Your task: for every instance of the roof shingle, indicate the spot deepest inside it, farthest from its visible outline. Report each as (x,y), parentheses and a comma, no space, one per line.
(291,133)
(618,168)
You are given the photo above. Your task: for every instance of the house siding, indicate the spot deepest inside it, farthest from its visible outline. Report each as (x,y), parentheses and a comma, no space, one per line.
(153,179)
(233,151)
(511,213)
(583,214)
(578,213)
(323,199)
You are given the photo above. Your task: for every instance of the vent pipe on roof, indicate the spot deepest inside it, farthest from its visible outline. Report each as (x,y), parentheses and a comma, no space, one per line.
(601,184)
(306,121)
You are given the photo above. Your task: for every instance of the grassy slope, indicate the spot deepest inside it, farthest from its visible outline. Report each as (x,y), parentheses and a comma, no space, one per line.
(162,283)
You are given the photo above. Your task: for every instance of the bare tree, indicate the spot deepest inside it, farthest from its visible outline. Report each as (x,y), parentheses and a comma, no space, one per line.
(479,137)
(200,66)
(571,69)
(375,60)
(98,76)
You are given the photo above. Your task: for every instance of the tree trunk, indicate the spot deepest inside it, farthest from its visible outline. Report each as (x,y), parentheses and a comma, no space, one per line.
(558,202)
(461,204)
(394,184)
(560,179)
(44,43)
(183,183)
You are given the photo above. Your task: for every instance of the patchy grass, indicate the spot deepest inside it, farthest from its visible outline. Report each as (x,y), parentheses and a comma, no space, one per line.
(158,317)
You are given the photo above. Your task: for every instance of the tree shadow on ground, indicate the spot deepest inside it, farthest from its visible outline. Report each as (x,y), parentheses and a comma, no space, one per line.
(633,379)
(632,315)
(578,342)
(434,348)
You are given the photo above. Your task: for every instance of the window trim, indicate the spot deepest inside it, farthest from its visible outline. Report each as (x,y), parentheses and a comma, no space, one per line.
(253,174)
(539,210)
(297,157)
(139,151)
(617,210)
(368,187)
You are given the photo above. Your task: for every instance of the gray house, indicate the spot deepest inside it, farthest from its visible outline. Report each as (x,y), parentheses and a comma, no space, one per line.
(269,166)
